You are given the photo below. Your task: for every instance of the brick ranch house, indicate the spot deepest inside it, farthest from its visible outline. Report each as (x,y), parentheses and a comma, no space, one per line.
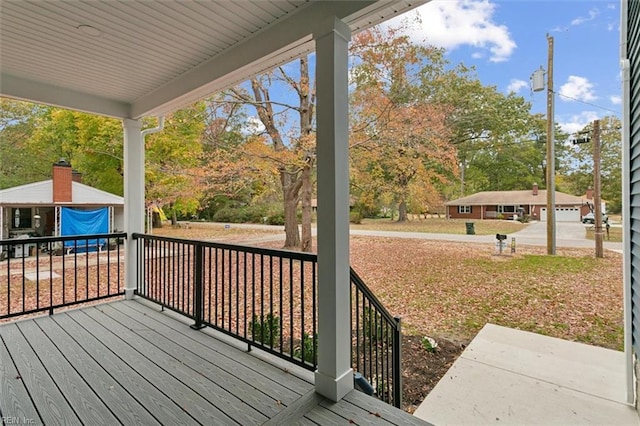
(507,204)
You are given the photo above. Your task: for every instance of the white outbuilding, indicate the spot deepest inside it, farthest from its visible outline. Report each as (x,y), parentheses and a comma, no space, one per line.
(36,209)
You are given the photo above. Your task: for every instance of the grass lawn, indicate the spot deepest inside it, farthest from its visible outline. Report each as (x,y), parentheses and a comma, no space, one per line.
(615,234)
(442,226)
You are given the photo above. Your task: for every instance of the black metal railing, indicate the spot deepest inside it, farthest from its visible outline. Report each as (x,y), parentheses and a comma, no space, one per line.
(376,349)
(44,273)
(266,298)
(263,297)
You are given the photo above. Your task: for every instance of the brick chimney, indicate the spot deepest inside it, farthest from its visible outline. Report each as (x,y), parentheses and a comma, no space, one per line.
(534,191)
(76,176)
(62,178)
(589,193)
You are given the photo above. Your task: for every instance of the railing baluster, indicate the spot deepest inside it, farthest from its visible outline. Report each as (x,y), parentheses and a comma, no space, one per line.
(230,292)
(314,313)
(302,330)
(222,287)
(209,285)
(109,266)
(244,334)
(198,308)
(291,333)
(269,320)
(237,291)
(6,250)
(24,286)
(397,356)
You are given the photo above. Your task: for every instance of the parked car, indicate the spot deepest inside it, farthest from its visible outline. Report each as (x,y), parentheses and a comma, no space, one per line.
(591,218)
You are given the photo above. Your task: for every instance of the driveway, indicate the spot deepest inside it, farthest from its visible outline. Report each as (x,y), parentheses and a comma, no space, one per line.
(568,234)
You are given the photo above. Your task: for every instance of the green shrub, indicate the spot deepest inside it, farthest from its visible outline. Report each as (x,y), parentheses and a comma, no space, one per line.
(355,217)
(372,326)
(265,330)
(429,344)
(259,213)
(276,219)
(309,350)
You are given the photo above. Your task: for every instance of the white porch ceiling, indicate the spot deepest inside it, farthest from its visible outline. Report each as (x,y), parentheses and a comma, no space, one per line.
(152,57)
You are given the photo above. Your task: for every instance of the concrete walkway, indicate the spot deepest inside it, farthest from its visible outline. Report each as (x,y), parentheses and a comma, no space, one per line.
(512,377)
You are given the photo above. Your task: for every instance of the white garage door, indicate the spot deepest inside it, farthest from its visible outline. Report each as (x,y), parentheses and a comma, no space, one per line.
(563,214)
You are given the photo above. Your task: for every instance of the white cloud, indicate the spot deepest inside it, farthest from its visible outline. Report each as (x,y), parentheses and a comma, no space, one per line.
(615,99)
(454,23)
(253,126)
(577,88)
(578,122)
(515,85)
(593,13)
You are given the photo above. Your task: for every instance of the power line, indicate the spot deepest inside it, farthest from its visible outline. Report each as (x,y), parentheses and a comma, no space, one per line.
(587,103)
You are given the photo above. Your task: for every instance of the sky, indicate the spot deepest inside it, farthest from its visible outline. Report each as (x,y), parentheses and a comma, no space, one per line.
(506,41)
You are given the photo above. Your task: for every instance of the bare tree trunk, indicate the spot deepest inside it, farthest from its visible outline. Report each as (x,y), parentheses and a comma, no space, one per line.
(174,218)
(155,220)
(402,211)
(291,187)
(307,242)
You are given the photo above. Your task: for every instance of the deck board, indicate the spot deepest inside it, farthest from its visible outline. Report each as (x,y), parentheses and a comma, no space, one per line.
(114,395)
(86,404)
(13,393)
(323,416)
(386,411)
(297,410)
(220,382)
(44,392)
(154,366)
(126,362)
(158,404)
(355,413)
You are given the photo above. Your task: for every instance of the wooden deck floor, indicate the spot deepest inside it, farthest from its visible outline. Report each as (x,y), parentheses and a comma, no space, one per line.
(128,363)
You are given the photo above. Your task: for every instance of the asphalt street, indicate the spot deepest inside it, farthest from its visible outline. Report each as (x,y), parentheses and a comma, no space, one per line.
(568,234)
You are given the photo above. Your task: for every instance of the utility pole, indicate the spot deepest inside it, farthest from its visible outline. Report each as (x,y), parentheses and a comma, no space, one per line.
(551,157)
(598,234)
(537,85)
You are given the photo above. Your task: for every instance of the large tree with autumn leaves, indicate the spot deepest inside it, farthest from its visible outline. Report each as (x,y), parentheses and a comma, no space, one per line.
(400,143)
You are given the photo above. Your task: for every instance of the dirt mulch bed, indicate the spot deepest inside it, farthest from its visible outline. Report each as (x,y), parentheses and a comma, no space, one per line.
(422,370)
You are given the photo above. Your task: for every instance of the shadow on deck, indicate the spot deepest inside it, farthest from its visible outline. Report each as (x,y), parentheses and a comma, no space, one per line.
(127,362)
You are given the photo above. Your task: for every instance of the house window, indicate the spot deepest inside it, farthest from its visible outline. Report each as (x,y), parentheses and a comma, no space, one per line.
(464,209)
(21,218)
(508,209)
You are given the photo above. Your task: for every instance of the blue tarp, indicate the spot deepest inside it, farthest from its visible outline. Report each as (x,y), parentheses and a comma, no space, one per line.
(84,222)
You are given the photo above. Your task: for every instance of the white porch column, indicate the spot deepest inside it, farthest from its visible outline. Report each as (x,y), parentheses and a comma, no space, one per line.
(334,377)
(133,198)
